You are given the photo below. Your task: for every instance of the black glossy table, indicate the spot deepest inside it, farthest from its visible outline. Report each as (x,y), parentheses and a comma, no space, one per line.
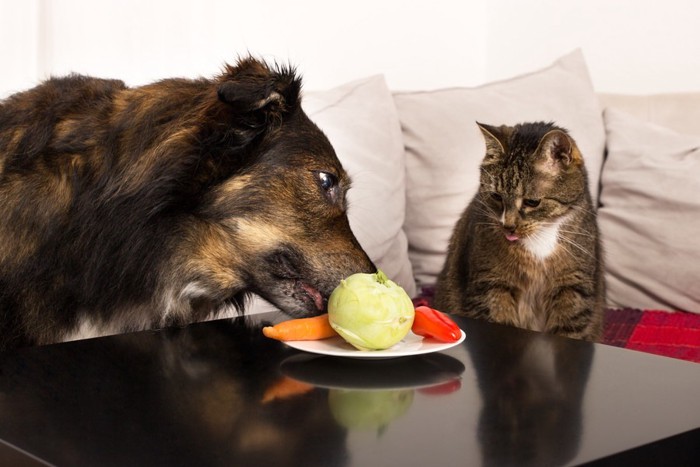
(220,393)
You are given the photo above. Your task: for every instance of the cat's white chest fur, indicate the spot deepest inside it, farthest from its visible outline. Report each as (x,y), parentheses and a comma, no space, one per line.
(543,243)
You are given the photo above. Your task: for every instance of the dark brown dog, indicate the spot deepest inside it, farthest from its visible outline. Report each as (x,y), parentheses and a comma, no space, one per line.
(130,208)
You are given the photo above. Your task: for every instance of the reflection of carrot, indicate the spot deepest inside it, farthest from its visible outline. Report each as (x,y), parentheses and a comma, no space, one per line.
(285,388)
(302,329)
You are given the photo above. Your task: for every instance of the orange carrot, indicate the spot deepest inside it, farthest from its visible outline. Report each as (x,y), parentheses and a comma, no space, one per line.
(302,329)
(285,388)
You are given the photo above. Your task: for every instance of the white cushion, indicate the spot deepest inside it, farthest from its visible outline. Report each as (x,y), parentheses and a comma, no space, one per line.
(675,111)
(650,215)
(444,147)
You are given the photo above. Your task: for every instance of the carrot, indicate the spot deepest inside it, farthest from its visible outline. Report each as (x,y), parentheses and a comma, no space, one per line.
(285,388)
(301,329)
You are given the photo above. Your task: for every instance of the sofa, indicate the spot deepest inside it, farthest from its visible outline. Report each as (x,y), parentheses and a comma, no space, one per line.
(414,155)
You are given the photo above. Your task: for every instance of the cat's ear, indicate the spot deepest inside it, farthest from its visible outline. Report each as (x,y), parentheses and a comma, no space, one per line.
(557,150)
(494,137)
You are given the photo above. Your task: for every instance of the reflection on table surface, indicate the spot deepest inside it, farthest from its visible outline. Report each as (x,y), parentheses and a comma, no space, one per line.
(220,393)
(532,393)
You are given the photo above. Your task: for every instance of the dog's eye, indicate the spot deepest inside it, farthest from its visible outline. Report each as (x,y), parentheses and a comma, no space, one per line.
(531,203)
(328,181)
(329,186)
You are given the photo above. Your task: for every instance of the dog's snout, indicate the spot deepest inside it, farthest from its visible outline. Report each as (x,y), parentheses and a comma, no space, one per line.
(284,263)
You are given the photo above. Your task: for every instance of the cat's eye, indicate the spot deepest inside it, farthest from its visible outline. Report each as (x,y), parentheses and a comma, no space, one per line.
(496,197)
(531,203)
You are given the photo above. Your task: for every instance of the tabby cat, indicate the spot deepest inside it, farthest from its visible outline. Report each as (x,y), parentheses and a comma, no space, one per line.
(526,251)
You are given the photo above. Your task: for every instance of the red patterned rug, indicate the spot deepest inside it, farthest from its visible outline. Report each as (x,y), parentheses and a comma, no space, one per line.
(670,334)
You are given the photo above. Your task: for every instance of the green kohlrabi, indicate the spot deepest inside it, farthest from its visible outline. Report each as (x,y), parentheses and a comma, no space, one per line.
(370,311)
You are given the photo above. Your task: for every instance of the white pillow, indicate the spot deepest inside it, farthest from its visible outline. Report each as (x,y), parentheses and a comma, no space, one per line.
(676,111)
(650,215)
(444,147)
(360,120)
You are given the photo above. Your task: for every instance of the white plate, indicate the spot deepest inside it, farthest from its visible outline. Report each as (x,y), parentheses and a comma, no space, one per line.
(410,345)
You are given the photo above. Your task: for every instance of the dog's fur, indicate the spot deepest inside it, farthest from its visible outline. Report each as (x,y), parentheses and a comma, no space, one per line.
(132,208)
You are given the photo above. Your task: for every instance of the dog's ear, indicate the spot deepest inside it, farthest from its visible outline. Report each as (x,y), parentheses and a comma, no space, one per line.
(257,94)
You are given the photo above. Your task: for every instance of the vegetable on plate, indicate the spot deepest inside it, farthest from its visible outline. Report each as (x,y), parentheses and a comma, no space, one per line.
(301,329)
(433,323)
(370,311)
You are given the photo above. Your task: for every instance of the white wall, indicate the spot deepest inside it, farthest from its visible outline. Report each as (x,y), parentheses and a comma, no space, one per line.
(632,46)
(19,44)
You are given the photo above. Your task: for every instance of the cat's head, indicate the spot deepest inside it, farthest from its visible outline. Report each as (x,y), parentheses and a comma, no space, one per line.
(532,178)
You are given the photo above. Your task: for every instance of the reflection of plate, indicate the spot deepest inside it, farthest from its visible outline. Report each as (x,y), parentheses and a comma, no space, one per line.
(410,345)
(418,372)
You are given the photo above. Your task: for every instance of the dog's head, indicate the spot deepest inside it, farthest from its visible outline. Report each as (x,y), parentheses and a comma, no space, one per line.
(277,222)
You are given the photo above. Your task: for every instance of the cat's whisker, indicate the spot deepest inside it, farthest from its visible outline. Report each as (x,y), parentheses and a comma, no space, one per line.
(580,232)
(487,212)
(571,229)
(584,210)
(582,249)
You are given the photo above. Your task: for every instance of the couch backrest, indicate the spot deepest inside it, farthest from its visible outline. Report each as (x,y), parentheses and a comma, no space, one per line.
(679,112)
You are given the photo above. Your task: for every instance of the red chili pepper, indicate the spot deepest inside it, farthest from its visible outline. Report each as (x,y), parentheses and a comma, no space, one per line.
(442,389)
(432,323)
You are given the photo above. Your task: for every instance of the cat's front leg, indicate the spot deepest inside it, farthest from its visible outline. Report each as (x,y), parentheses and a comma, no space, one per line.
(574,313)
(493,302)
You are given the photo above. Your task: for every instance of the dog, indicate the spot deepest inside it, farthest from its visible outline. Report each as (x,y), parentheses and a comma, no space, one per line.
(129,208)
